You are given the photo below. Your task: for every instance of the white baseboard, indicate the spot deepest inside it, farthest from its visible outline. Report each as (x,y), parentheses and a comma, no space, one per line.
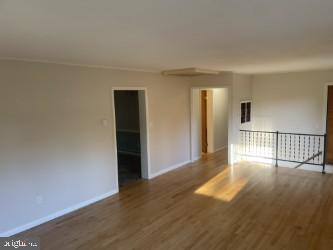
(196,158)
(163,171)
(56,214)
(219,149)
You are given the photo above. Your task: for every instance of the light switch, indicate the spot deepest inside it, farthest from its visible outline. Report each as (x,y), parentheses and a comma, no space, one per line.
(104,122)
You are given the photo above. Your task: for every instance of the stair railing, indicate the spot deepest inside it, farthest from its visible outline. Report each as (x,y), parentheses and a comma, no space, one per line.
(297,148)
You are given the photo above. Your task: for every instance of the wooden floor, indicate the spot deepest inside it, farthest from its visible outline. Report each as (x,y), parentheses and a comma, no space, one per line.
(205,205)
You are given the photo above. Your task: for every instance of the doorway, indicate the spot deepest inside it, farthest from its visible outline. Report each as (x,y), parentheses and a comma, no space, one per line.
(209,120)
(329,125)
(130,113)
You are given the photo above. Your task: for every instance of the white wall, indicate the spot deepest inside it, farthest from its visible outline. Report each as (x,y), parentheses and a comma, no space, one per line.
(290,102)
(54,152)
(241,90)
(287,102)
(220,116)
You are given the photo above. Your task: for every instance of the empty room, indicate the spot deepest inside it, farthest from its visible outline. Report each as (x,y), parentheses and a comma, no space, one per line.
(164,124)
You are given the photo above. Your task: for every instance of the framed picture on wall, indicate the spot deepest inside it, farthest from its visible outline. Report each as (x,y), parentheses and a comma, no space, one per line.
(246,107)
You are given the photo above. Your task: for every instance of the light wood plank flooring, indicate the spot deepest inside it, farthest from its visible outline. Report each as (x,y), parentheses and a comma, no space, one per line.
(205,205)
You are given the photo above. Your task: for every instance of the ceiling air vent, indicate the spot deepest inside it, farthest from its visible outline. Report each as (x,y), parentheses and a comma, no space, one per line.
(190,72)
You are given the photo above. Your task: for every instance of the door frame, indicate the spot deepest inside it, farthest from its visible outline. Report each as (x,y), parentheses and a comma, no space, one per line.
(192,133)
(148,167)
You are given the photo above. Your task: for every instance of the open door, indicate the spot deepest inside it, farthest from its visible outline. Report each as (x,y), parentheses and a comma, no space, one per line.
(329,126)
(204,139)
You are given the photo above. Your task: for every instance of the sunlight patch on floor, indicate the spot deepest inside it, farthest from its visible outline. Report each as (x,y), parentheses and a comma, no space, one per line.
(223,186)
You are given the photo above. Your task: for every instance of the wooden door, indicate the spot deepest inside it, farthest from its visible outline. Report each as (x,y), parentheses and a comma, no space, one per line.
(329,126)
(204,143)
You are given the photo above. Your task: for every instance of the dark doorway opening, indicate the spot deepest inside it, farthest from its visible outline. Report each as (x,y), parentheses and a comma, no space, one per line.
(127,116)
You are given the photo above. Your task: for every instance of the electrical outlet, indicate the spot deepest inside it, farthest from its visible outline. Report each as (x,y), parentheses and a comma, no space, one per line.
(39,199)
